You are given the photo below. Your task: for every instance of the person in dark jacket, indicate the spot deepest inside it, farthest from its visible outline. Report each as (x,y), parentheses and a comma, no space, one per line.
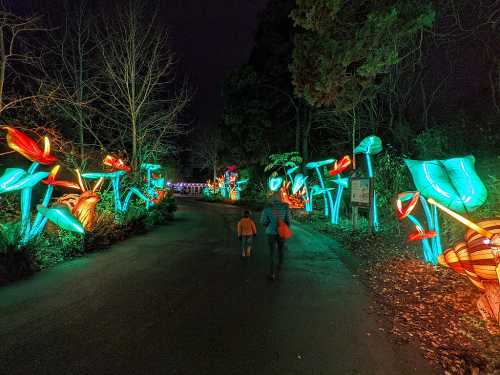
(275,210)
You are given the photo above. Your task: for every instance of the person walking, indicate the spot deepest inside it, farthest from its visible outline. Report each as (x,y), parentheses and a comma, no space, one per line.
(246,232)
(274,211)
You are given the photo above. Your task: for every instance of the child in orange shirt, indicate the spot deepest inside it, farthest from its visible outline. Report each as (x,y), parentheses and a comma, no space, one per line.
(246,232)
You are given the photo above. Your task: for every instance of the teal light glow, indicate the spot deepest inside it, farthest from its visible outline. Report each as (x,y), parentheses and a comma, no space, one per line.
(431,249)
(292,170)
(299,181)
(133,191)
(452,182)
(275,183)
(371,145)
(62,217)
(151,167)
(17,179)
(97,175)
(327,196)
(341,183)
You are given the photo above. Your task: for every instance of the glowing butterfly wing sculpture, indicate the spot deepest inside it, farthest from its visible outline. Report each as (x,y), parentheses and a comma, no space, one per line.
(26,146)
(16,179)
(453,182)
(62,217)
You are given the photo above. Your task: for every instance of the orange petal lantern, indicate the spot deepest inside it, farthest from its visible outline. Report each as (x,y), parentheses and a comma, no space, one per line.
(116,164)
(51,180)
(478,258)
(340,165)
(420,235)
(26,146)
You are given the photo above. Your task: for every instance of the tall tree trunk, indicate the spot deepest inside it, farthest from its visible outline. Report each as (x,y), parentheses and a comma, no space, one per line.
(298,126)
(134,143)
(306,132)
(3,63)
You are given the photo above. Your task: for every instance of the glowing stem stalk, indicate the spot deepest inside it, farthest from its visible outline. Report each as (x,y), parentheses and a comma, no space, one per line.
(463,220)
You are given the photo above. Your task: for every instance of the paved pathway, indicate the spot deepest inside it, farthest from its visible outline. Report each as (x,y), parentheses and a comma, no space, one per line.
(180,301)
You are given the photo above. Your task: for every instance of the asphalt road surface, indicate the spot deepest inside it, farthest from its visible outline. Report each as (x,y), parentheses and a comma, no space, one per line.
(180,301)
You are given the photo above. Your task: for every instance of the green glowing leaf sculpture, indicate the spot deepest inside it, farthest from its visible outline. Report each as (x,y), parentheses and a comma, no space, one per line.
(275,183)
(62,217)
(371,145)
(17,179)
(150,167)
(298,182)
(452,182)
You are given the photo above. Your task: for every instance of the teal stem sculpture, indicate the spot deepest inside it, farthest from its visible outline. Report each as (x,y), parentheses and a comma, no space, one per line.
(150,168)
(342,183)
(327,196)
(369,146)
(406,204)
(115,177)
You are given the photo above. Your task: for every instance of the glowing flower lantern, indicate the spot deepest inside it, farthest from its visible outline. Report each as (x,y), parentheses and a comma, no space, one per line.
(340,166)
(26,146)
(406,204)
(17,179)
(116,164)
(83,205)
(452,184)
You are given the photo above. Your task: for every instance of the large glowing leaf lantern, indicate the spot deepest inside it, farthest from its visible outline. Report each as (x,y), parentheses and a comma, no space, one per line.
(17,179)
(62,217)
(453,182)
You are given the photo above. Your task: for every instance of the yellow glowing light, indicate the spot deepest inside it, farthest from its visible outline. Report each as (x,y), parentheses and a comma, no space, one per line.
(80,181)
(462,219)
(46,146)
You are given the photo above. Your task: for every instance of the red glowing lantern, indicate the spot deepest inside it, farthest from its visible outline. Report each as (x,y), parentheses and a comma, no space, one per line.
(26,146)
(340,165)
(116,164)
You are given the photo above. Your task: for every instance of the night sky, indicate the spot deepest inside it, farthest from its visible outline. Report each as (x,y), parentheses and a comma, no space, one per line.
(210,37)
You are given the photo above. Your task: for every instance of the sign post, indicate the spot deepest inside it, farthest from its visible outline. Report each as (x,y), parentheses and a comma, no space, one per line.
(361,197)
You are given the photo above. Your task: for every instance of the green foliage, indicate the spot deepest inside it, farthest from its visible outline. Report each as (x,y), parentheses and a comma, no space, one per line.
(55,247)
(162,213)
(283,162)
(391,177)
(345,46)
